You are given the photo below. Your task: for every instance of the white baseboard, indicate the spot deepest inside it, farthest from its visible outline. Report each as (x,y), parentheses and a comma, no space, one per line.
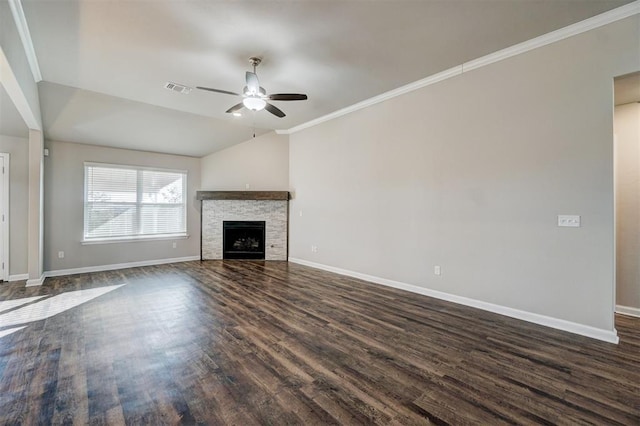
(35,282)
(628,310)
(610,336)
(113,267)
(19,277)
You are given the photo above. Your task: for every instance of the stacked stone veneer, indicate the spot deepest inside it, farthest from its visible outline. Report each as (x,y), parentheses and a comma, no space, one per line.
(273,212)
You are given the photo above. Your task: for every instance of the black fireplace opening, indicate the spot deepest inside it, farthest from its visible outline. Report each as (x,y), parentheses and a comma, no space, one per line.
(243,239)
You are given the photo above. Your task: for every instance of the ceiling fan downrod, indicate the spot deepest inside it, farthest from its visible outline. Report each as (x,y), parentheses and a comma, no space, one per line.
(255,61)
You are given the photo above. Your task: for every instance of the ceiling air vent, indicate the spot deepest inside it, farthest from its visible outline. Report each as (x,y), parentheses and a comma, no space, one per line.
(177,87)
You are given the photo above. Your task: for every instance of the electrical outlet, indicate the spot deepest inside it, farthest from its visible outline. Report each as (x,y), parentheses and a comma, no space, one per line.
(60,255)
(572,221)
(247,186)
(300,213)
(437,270)
(314,249)
(175,245)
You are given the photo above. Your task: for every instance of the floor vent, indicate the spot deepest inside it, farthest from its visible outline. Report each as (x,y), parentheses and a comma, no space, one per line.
(177,87)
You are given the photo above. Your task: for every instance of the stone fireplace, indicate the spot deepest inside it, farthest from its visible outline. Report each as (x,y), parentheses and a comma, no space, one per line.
(243,213)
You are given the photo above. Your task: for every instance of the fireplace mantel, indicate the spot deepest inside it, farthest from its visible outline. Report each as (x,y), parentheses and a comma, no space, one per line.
(243,195)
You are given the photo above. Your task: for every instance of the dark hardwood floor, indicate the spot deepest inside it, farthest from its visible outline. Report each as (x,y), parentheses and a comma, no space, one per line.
(242,343)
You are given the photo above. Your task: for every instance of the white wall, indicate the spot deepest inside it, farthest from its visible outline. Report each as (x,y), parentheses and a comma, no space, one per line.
(263,163)
(470,174)
(64,193)
(18,149)
(627,130)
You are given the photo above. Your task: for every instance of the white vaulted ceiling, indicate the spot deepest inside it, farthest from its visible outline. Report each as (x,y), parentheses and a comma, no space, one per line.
(104,63)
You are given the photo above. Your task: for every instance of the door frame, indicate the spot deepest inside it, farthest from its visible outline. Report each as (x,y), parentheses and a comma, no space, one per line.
(4,212)
(615,222)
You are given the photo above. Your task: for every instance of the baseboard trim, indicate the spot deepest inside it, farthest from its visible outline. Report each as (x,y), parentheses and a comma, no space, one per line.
(18,277)
(610,336)
(628,310)
(116,266)
(35,282)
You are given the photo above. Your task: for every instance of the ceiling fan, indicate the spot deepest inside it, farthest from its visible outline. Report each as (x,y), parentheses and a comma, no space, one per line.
(255,97)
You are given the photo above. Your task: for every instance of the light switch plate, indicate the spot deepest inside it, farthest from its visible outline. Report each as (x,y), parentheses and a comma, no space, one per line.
(572,221)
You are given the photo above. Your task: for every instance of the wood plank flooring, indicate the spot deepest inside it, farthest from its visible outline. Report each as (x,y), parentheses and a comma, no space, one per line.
(243,343)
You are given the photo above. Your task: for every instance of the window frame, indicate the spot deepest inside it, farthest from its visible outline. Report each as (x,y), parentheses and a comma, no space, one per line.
(138,203)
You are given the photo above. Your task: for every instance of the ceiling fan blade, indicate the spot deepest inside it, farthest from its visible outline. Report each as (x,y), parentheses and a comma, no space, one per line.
(252,82)
(235,108)
(226,92)
(287,97)
(274,110)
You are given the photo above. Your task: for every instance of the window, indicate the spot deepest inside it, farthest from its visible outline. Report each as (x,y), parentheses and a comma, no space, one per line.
(123,202)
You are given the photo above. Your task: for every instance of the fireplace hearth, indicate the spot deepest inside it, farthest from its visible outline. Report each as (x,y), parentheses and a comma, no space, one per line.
(243,239)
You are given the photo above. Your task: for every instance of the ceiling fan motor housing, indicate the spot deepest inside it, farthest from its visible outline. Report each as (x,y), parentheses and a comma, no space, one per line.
(261,91)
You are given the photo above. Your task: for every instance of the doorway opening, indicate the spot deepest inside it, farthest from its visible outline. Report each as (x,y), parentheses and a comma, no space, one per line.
(627,193)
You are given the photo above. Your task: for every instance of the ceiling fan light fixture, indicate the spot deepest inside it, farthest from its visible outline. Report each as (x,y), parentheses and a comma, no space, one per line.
(254,104)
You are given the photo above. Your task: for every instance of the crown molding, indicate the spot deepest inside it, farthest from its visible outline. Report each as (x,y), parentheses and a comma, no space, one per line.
(432,79)
(597,21)
(14,90)
(23,29)
(555,36)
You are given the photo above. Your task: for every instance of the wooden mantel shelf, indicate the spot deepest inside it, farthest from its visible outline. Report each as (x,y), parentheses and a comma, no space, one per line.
(242,195)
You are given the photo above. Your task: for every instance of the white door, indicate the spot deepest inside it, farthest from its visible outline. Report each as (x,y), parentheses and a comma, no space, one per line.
(4,264)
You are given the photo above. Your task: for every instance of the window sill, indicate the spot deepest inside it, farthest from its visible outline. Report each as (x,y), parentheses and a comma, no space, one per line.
(134,239)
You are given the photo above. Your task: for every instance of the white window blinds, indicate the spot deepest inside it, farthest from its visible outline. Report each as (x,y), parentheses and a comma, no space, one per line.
(129,202)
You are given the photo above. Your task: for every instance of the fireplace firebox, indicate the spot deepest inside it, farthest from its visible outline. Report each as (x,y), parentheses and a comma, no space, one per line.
(243,239)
